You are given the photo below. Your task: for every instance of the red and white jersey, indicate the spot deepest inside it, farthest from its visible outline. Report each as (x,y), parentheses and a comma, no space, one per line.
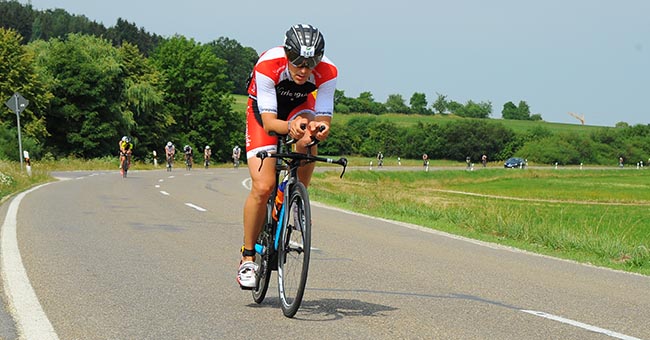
(272,89)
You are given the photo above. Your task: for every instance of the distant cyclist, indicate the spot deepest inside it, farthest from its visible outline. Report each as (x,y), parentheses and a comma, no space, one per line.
(189,156)
(236,153)
(281,99)
(170,151)
(207,152)
(380,159)
(126,149)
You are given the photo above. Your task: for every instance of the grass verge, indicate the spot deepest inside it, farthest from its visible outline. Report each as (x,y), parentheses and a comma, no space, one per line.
(597,217)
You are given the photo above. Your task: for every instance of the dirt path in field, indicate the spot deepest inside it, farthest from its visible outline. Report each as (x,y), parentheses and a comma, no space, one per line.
(640,204)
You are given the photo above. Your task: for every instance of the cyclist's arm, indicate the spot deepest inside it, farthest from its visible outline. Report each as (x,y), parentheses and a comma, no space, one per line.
(273,124)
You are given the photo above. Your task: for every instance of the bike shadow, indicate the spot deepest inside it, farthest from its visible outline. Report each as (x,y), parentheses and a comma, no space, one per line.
(329,309)
(332,309)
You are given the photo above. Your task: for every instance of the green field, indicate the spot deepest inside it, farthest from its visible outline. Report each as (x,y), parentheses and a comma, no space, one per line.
(590,216)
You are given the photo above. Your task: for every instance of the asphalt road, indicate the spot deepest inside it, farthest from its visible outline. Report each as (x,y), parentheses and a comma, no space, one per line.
(154,256)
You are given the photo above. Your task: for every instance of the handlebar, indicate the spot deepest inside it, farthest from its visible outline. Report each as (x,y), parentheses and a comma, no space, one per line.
(297,157)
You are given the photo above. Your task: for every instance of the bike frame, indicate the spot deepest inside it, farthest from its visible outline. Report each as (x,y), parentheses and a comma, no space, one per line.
(290,161)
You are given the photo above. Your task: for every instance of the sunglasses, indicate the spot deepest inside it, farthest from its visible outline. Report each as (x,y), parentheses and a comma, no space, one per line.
(301,62)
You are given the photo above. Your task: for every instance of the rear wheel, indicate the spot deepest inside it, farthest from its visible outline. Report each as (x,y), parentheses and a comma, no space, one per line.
(294,250)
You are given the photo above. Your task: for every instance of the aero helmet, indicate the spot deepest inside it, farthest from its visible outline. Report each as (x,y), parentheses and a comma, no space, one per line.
(124,138)
(169,143)
(207,146)
(304,45)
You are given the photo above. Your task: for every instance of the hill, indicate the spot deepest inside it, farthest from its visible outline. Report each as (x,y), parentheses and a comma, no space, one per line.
(406,120)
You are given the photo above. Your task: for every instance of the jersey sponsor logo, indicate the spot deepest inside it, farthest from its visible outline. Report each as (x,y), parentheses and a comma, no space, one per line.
(287,92)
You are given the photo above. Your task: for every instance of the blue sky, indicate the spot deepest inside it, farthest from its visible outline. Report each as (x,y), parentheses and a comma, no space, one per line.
(590,57)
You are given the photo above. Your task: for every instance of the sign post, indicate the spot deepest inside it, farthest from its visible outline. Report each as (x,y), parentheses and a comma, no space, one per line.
(18,104)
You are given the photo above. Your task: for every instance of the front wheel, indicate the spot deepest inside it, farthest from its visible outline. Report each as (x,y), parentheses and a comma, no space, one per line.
(264,261)
(125,166)
(294,249)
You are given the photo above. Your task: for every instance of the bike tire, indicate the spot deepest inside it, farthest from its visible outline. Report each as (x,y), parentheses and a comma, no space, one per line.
(294,250)
(264,260)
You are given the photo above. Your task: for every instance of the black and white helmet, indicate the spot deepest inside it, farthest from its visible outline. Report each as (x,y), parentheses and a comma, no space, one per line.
(304,45)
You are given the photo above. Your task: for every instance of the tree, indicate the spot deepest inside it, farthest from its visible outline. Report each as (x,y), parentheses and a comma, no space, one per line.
(509,111)
(523,110)
(454,106)
(520,112)
(395,103)
(366,103)
(419,103)
(58,23)
(13,15)
(142,104)
(85,78)
(474,138)
(475,110)
(240,61)
(198,96)
(441,104)
(124,31)
(18,74)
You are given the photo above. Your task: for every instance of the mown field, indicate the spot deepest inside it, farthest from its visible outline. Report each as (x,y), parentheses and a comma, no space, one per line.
(591,216)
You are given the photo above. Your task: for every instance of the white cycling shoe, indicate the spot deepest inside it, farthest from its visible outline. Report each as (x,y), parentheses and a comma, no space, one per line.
(246,275)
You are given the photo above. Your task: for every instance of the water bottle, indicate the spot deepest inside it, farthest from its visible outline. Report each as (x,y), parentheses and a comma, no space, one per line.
(279,197)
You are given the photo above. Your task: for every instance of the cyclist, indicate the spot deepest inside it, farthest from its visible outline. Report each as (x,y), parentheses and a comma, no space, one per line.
(236,153)
(281,100)
(189,156)
(206,156)
(170,151)
(126,148)
(380,159)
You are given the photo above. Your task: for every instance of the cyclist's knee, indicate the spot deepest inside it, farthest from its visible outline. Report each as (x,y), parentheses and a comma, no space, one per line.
(262,188)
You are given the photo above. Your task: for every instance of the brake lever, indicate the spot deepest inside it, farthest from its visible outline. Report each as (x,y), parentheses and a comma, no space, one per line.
(344,162)
(315,140)
(261,155)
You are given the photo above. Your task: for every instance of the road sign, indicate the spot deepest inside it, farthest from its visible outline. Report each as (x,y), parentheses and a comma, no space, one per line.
(17,103)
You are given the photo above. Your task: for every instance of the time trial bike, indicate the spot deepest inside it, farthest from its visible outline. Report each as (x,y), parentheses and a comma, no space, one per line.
(124,164)
(285,241)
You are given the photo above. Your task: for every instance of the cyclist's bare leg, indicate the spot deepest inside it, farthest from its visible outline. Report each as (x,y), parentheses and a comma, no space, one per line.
(263,182)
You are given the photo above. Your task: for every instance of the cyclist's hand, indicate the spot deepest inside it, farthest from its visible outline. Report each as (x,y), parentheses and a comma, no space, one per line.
(296,127)
(319,130)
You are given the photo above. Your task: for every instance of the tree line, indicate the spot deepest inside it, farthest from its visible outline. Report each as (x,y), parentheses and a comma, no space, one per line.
(470,137)
(88,85)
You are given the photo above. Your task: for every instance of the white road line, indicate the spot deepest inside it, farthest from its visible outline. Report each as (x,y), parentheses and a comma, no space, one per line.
(161,180)
(31,320)
(164,192)
(195,207)
(156,186)
(247,183)
(581,325)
